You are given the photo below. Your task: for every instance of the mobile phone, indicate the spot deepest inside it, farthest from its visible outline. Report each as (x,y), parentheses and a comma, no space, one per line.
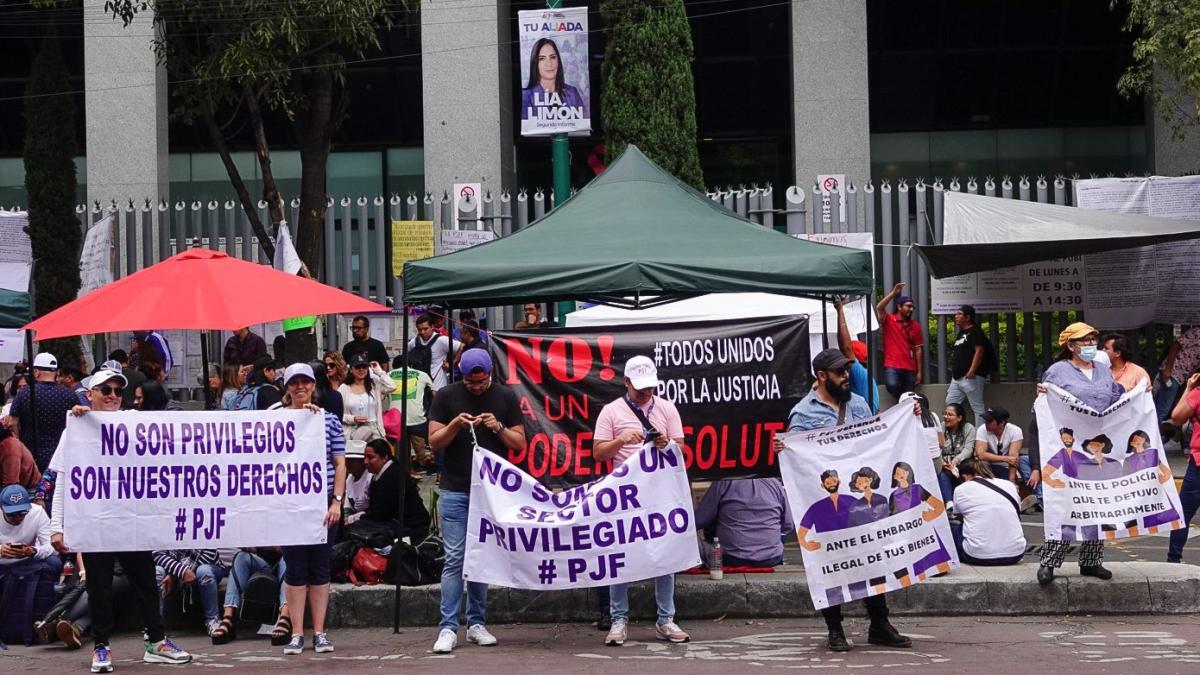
(652,435)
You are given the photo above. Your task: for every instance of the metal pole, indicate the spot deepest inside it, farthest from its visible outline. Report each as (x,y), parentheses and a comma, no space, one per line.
(32,399)
(208,402)
(824,327)
(402,457)
(560,151)
(873,393)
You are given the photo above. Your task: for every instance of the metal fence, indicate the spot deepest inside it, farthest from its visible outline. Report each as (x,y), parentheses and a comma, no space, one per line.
(357,235)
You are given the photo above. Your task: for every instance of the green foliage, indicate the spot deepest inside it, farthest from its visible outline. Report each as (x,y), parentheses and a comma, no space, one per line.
(1166,57)
(648,96)
(50,183)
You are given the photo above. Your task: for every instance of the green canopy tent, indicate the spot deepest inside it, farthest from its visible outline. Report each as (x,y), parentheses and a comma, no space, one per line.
(635,236)
(636,231)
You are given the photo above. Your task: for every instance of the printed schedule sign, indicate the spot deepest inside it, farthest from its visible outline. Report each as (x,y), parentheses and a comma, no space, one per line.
(864,499)
(141,481)
(635,523)
(733,383)
(1104,474)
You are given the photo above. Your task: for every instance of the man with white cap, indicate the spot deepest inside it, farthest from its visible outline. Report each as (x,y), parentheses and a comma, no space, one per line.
(105,388)
(53,403)
(623,427)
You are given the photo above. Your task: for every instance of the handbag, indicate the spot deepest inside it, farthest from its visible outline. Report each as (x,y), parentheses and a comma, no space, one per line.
(369,567)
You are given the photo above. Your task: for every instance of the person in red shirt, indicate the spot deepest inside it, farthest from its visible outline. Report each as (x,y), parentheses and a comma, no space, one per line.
(1188,409)
(903,343)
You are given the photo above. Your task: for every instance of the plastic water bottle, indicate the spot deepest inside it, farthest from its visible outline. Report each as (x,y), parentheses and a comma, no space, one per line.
(715,569)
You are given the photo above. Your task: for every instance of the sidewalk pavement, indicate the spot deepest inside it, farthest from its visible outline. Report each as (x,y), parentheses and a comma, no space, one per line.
(1136,588)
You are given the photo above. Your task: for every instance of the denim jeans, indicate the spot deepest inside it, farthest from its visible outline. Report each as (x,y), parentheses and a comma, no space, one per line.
(970,391)
(1024,470)
(208,581)
(1164,397)
(664,597)
(1189,499)
(246,565)
(898,381)
(452,518)
(946,483)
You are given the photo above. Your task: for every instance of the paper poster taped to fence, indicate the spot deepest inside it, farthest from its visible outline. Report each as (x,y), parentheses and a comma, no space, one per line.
(865,501)
(144,481)
(1104,474)
(555,86)
(458,240)
(411,240)
(635,523)
(95,261)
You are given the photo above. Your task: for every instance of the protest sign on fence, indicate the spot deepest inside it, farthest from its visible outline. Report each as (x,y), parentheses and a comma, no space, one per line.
(555,87)
(732,381)
(1104,474)
(635,523)
(141,481)
(864,500)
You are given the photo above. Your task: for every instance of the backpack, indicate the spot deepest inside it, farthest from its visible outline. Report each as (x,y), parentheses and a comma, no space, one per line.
(369,567)
(26,595)
(420,357)
(246,398)
(260,598)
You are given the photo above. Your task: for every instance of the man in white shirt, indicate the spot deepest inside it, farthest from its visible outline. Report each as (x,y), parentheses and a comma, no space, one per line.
(441,348)
(25,533)
(999,443)
(991,532)
(358,479)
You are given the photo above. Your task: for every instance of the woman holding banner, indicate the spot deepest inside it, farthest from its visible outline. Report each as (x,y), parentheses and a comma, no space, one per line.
(1076,372)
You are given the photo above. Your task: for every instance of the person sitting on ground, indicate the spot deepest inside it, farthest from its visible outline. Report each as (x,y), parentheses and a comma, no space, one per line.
(68,618)
(999,443)
(990,533)
(958,444)
(358,480)
(198,568)
(384,500)
(246,564)
(750,517)
(17,466)
(25,534)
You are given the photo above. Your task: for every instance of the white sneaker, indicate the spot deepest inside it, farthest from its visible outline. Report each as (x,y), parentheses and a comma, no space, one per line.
(617,634)
(446,642)
(480,636)
(950,505)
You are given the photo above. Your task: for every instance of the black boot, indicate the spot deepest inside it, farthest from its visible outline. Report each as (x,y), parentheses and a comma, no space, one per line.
(1097,571)
(1045,575)
(886,635)
(837,640)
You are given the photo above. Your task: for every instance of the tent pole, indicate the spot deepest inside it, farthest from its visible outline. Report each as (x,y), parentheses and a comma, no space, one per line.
(402,454)
(824,327)
(29,378)
(208,402)
(870,302)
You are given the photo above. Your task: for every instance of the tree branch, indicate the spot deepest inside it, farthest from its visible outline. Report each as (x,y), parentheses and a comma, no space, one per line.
(239,186)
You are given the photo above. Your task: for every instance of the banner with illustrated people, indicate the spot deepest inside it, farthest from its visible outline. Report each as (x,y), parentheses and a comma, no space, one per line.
(864,499)
(1104,474)
(555,88)
(635,523)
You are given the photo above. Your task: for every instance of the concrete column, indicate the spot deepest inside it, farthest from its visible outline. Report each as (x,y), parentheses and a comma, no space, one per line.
(125,109)
(1167,155)
(830,116)
(467,94)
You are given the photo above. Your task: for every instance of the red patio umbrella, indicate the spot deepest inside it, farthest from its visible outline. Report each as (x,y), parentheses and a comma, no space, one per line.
(198,289)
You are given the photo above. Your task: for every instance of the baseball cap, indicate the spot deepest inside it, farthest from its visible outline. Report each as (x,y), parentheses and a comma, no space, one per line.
(475,359)
(265,361)
(995,413)
(111,365)
(641,372)
(104,375)
(831,359)
(298,370)
(14,499)
(359,359)
(860,350)
(903,300)
(45,361)
(1075,331)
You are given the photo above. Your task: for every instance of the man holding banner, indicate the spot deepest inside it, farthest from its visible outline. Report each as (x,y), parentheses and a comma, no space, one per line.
(832,404)
(624,426)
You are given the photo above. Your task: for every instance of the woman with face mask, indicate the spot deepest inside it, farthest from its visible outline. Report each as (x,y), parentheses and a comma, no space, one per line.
(1076,371)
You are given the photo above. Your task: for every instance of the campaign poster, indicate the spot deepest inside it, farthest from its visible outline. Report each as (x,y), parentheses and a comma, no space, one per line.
(555,89)
(733,383)
(867,508)
(1104,473)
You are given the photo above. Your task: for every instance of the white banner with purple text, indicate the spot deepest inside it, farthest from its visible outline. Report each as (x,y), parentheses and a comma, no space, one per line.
(1104,474)
(635,523)
(866,505)
(142,481)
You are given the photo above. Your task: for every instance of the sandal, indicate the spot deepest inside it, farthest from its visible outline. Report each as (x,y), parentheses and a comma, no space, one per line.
(224,633)
(282,633)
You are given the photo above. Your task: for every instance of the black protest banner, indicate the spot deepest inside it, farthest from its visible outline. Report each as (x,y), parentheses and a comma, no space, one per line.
(732,381)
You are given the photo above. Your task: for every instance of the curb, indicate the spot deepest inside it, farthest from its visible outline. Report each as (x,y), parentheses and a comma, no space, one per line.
(1136,588)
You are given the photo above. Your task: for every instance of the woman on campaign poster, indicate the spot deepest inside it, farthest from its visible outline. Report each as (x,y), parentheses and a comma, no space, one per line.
(547,85)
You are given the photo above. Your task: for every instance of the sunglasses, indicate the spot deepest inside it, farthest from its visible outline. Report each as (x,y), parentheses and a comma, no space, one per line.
(109,390)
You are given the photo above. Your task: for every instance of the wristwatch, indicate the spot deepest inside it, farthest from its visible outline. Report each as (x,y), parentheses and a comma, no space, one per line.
(502,427)
(339,498)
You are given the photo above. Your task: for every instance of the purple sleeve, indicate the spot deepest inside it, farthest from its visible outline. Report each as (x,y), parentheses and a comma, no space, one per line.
(706,513)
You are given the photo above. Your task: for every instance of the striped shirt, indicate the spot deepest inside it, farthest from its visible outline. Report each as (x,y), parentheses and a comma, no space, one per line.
(335,446)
